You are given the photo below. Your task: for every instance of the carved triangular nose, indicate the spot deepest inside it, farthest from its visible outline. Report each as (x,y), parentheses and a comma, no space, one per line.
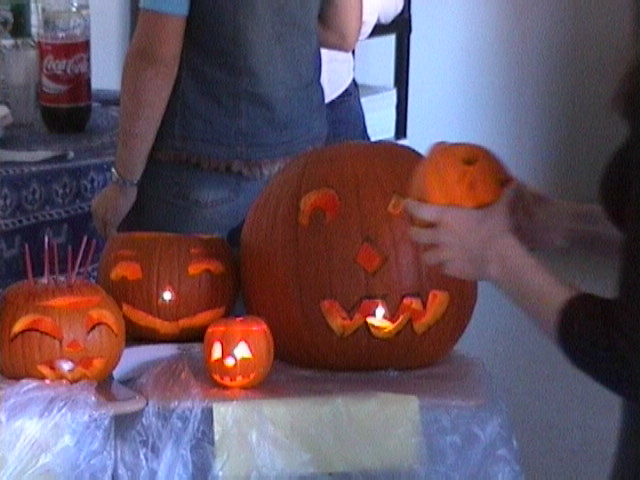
(74,346)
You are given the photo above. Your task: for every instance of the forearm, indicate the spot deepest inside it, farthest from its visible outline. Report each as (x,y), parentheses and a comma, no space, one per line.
(534,288)
(148,78)
(542,223)
(588,226)
(339,24)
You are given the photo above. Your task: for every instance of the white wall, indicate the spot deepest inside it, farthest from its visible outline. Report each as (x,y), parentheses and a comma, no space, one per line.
(532,81)
(109,40)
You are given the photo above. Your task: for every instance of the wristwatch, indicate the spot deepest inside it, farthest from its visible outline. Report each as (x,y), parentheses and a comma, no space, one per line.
(120,180)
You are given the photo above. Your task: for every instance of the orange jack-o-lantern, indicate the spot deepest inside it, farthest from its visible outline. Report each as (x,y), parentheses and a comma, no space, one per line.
(328,263)
(59,331)
(238,351)
(170,286)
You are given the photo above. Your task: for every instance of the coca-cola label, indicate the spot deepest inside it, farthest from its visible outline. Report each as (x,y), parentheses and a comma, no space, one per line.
(65,74)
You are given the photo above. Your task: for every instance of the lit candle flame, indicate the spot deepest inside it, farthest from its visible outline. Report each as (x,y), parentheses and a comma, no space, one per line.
(65,365)
(379,319)
(167,295)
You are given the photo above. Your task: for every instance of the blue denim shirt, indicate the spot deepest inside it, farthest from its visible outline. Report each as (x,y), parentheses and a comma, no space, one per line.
(248,87)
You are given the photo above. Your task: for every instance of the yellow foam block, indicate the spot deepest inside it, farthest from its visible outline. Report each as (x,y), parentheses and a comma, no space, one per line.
(319,434)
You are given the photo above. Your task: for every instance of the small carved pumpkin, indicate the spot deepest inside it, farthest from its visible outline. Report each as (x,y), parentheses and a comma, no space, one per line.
(238,351)
(56,330)
(460,174)
(170,286)
(328,263)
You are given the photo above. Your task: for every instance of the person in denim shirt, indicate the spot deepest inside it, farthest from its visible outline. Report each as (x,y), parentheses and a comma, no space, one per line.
(217,95)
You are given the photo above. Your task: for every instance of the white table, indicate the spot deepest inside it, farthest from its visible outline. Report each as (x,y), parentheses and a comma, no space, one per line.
(440,422)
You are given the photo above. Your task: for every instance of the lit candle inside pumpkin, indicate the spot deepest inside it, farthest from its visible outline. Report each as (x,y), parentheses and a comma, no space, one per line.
(167,295)
(378,319)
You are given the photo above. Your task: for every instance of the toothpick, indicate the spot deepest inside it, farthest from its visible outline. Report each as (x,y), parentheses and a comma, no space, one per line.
(79,259)
(56,265)
(87,264)
(46,258)
(27,263)
(69,263)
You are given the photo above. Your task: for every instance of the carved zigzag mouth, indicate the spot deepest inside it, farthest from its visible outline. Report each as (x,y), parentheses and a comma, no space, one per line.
(235,380)
(65,369)
(145,320)
(374,313)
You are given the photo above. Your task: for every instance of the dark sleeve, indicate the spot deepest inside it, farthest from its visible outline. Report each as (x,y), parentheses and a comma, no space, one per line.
(602,336)
(595,336)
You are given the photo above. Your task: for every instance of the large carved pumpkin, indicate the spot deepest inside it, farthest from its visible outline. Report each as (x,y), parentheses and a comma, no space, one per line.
(327,261)
(57,330)
(170,286)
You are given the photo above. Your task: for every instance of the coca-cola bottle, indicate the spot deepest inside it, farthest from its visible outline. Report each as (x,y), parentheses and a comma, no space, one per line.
(64,92)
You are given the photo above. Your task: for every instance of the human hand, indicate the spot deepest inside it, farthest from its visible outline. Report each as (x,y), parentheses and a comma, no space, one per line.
(461,240)
(110,207)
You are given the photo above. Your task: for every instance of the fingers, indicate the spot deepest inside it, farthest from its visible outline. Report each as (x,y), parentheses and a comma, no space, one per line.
(423,212)
(424,235)
(433,256)
(103,226)
(110,207)
(103,223)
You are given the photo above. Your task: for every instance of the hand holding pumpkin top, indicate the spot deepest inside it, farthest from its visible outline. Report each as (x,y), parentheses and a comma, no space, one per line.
(462,241)
(480,243)
(459,239)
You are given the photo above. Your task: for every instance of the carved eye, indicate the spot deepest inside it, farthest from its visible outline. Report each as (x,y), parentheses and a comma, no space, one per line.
(100,316)
(242,350)
(216,351)
(37,323)
(324,199)
(126,269)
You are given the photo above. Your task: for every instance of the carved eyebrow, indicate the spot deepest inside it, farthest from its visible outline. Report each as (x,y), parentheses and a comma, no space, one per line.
(100,316)
(36,323)
(72,302)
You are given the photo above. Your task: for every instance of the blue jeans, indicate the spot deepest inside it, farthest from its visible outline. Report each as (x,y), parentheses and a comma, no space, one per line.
(182,198)
(346,117)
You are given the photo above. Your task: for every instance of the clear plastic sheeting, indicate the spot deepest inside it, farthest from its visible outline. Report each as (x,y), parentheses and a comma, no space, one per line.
(54,431)
(442,422)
